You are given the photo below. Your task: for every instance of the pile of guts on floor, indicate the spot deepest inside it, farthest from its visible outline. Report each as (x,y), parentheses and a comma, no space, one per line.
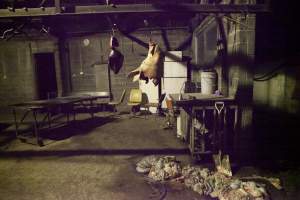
(204,181)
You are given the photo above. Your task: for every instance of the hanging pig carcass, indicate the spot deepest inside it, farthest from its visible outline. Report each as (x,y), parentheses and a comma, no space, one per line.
(151,68)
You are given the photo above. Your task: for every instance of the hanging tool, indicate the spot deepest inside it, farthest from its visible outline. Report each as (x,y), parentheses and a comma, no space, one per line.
(219,105)
(116,58)
(221,161)
(113,40)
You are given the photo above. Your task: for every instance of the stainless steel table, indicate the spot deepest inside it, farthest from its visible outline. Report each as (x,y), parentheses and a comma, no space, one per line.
(46,108)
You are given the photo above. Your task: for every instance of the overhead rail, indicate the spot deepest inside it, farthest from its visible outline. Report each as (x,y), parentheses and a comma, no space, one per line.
(59,10)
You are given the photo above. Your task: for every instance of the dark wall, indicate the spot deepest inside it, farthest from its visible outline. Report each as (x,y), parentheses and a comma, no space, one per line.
(277,55)
(276,89)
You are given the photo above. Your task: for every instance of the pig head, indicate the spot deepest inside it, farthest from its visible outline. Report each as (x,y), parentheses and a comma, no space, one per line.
(151,68)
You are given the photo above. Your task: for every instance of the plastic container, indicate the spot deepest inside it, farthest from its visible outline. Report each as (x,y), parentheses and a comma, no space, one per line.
(208,82)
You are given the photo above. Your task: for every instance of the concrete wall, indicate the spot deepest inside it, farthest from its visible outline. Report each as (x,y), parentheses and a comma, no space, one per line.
(17,68)
(281,92)
(277,50)
(241,50)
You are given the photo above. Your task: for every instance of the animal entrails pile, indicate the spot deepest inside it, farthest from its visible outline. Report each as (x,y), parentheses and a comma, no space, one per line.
(201,180)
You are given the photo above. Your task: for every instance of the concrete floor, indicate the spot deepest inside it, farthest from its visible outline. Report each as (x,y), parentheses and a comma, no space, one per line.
(95,159)
(91,159)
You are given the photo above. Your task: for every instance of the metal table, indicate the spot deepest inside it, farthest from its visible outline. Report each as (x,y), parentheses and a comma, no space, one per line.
(46,108)
(199,107)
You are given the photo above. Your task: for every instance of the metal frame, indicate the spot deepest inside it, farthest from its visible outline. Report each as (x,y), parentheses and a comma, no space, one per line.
(46,108)
(219,140)
(58,10)
(205,103)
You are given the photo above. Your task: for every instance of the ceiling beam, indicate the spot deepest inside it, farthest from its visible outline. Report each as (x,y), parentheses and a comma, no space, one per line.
(135,8)
(30,12)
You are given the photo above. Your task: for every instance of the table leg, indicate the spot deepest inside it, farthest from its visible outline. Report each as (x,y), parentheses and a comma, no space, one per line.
(92,105)
(68,108)
(215,131)
(16,122)
(68,117)
(203,144)
(24,116)
(235,127)
(224,138)
(36,129)
(192,135)
(74,114)
(49,118)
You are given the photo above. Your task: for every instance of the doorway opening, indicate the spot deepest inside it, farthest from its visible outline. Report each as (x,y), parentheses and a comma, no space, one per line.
(46,75)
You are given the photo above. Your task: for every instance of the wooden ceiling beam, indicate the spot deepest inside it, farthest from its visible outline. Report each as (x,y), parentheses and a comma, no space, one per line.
(134,8)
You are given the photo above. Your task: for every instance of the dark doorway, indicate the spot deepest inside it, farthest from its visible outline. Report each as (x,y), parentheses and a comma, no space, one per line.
(46,76)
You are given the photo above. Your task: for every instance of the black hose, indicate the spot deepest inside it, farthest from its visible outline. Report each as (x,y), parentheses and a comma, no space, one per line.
(270,74)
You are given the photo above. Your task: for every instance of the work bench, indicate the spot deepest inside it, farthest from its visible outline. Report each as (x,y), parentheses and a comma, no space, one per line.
(211,122)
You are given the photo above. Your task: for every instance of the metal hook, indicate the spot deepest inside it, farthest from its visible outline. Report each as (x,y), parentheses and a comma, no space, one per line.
(114,29)
(150,36)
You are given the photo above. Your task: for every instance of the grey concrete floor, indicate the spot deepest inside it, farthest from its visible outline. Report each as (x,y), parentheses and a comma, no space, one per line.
(92,159)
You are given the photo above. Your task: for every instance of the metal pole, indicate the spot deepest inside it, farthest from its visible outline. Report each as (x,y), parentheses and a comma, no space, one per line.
(16,122)
(109,83)
(36,129)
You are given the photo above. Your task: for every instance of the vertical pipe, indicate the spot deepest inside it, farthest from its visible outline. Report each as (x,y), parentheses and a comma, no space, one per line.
(235,126)
(224,139)
(36,131)
(109,83)
(215,130)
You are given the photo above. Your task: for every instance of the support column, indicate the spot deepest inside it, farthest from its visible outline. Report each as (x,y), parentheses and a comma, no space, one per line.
(65,65)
